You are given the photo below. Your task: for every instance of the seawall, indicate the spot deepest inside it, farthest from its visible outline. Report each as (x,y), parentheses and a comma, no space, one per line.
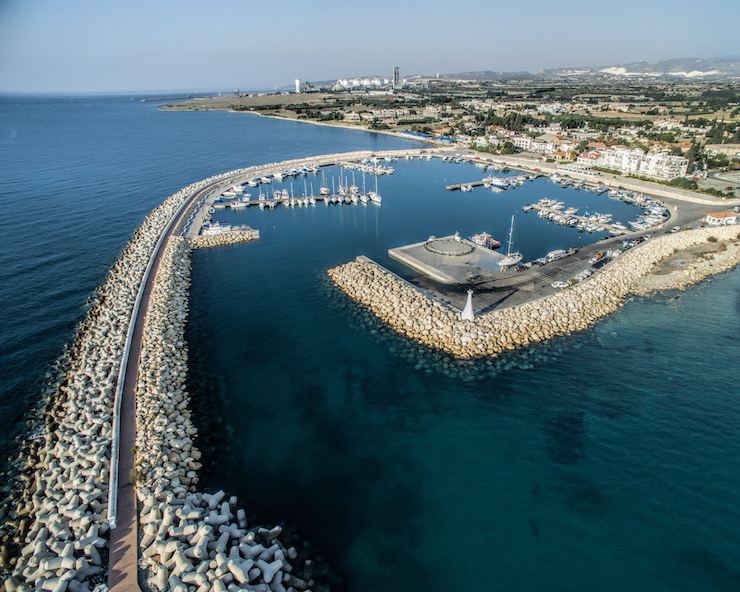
(192,539)
(413,314)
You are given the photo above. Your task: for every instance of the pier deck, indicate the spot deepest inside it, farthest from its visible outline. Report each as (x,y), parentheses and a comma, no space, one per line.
(448,260)
(458,186)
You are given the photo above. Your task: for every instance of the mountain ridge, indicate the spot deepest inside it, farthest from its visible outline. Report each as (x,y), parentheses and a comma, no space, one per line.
(699,69)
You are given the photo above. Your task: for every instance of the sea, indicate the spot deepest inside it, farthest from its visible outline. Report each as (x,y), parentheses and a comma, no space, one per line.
(604,460)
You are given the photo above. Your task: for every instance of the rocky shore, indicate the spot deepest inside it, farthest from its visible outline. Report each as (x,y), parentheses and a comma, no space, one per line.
(412,314)
(224,238)
(191,538)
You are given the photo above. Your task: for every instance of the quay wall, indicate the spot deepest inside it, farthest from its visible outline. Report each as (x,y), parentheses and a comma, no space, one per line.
(416,316)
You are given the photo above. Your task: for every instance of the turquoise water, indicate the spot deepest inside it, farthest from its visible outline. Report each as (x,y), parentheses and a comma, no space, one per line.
(605,460)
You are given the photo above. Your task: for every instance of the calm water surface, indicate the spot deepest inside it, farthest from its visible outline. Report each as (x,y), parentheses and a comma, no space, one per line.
(606,460)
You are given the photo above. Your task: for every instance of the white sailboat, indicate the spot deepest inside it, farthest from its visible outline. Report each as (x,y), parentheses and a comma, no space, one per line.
(512,257)
(374,195)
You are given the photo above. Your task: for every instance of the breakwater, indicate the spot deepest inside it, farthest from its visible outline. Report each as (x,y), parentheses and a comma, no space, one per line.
(62,512)
(191,538)
(56,535)
(224,238)
(416,316)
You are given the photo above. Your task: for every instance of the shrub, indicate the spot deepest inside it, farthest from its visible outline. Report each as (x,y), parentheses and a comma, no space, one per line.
(712,239)
(136,476)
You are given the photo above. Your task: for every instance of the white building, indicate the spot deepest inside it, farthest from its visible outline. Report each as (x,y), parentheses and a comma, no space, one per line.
(653,164)
(552,108)
(720,218)
(522,142)
(362,82)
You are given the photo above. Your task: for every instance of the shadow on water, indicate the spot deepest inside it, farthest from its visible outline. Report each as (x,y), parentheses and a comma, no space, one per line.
(707,570)
(565,438)
(582,495)
(534,530)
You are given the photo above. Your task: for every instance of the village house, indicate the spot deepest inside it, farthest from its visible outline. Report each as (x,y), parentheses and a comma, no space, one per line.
(721,219)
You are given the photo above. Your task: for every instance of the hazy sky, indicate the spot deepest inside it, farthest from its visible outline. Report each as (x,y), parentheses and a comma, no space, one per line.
(137,45)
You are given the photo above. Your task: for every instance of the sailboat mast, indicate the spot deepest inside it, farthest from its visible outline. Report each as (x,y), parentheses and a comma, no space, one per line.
(508,244)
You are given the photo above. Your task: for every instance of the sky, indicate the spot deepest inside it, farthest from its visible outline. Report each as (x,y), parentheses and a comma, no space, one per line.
(85,46)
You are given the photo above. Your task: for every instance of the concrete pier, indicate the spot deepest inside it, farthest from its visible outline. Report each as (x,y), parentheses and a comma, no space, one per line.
(190,539)
(449,259)
(413,314)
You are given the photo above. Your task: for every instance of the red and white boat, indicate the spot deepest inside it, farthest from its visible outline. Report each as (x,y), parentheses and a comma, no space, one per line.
(485,240)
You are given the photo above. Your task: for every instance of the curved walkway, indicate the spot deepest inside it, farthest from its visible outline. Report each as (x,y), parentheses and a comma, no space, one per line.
(124,555)
(123,560)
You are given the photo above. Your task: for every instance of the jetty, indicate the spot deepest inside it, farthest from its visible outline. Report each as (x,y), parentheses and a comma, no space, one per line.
(409,312)
(110,479)
(459,186)
(590,223)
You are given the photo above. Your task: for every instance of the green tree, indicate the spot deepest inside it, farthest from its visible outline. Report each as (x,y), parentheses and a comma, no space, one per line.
(695,154)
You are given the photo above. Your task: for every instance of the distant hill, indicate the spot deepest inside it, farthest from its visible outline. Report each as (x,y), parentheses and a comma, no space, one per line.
(713,69)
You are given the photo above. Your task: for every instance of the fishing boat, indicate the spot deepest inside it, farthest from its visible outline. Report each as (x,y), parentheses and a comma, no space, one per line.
(512,257)
(485,240)
(499,182)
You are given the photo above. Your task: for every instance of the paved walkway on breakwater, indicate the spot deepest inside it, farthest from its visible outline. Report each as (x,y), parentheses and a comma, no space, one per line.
(124,550)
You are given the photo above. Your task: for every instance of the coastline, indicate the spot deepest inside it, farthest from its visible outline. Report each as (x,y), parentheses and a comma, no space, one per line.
(62,529)
(419,318)
(323,123)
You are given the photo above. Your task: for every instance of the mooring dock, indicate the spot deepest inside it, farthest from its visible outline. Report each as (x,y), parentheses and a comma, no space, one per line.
(449,259)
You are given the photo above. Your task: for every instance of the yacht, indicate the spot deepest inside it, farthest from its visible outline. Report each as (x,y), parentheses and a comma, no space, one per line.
(512,257)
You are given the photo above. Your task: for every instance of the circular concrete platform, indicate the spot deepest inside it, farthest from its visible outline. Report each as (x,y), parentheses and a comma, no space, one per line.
(448,247)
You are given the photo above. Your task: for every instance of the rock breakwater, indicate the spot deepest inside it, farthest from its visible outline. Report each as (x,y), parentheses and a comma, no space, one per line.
(191,538)
(414,315)
(224,238)
(60,539)
(56,535)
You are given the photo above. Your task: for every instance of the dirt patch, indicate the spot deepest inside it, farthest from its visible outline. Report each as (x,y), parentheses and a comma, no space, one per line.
(681,259)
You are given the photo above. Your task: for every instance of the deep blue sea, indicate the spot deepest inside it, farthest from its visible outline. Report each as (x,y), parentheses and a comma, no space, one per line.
(606,460)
